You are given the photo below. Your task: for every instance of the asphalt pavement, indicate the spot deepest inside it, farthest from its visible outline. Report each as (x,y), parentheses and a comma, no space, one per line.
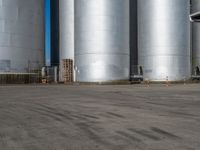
(100,117)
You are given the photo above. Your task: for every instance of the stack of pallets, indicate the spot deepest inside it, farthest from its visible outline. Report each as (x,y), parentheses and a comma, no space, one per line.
(67,70)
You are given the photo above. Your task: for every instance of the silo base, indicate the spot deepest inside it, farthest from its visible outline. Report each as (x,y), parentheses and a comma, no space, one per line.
(120,82)
(19,78)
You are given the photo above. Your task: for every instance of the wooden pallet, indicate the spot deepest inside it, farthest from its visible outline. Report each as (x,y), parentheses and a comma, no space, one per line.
(67,70)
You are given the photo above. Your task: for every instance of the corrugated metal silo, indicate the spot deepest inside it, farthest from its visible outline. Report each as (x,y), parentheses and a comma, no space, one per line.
(102,40)
(66,32)
(21,35)
(195,40)
(164,39)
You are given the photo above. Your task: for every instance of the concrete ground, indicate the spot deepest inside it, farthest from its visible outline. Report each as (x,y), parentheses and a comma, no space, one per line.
(124,117)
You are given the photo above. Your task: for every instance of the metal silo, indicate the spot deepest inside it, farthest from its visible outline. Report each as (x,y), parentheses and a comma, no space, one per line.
(21,35)
(66,32)
(102,40)
(195,40)
(164,39)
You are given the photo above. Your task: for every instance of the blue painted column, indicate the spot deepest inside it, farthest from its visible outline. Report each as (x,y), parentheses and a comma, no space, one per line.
(48,32)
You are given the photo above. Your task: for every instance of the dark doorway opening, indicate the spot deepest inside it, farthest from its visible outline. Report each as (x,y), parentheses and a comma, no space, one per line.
(141,70)
(197,71)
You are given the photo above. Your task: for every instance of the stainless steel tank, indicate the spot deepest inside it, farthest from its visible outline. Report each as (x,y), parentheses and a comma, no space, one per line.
(21,35)
(195,40)
(164,39)
(66,13)
(102,40)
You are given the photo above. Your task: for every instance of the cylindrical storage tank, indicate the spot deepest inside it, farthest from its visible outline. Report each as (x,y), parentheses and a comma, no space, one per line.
(164,39)
(21,35)
(66,13)
(195,40)
(102,40)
